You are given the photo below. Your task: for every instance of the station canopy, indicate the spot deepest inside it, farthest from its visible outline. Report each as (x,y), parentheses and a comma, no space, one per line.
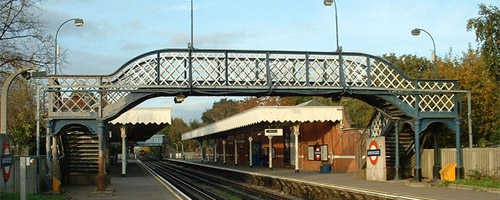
(262,117)
(141,123)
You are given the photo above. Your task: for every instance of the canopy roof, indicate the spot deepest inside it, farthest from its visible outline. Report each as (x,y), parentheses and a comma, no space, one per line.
(269,114)
(141,123)
(145,116)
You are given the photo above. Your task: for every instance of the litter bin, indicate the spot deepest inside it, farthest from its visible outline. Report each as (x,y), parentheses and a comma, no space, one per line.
(325,169)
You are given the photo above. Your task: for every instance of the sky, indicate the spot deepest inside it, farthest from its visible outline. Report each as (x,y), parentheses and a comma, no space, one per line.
(116,31)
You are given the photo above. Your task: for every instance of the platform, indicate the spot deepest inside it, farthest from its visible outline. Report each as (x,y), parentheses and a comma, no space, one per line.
(344,180)
(138,184)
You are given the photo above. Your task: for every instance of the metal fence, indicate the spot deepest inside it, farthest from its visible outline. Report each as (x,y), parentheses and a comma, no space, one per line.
(486,160)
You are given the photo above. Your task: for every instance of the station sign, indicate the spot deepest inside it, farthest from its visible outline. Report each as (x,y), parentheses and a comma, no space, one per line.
(6,161)
(273,132)
(373,152)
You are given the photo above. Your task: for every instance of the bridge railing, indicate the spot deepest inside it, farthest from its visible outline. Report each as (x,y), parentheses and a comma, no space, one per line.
(184,70)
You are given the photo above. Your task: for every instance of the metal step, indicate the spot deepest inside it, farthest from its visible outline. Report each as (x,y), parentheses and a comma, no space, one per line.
(83,145)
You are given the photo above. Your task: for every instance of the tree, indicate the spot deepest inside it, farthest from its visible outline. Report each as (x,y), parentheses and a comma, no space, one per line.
(411,66)
(194,124)
(487,27)
(251,102)
(472,74)
(221,109)
(176,129)
(22,116)
(23,42)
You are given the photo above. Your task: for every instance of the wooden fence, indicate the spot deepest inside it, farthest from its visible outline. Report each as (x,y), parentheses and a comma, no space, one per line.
(486,160)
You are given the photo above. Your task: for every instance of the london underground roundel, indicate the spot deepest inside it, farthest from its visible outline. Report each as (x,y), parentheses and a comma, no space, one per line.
(373,152)
(6,161)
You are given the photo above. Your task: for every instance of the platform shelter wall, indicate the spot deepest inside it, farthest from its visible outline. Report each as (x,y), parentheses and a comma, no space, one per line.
(341,144)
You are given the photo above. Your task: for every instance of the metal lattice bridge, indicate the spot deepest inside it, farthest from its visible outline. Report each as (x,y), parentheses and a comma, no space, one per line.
(94,99)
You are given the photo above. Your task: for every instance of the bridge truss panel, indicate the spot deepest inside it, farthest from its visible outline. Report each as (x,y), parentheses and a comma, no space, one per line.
(237,72)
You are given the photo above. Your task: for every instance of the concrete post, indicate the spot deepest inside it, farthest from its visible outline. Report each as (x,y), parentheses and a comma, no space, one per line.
(123,130)
(224,152)
(459,170)
(296,133)
(101,177)
(397,175)
(270,152)
(250,154)
(418,169)
(236,152)
(24,179)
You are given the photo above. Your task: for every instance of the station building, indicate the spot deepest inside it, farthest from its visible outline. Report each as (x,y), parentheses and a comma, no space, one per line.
(309,136)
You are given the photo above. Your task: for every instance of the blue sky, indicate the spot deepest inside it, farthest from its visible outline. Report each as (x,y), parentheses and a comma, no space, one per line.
(117,31)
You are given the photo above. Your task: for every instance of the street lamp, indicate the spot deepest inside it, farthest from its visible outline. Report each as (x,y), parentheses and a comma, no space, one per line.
(182,149)
(329,3)
(78,22)
(416,32)
(5,90)
(191,46)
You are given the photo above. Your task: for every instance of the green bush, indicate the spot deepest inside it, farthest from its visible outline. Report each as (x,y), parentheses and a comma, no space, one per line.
(481,179)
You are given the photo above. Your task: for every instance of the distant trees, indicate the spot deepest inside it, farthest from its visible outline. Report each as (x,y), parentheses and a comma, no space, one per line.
(23,42)
(487,28)
(476,70)
(221,109)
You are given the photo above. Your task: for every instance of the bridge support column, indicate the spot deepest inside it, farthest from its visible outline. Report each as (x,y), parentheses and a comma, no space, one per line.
(224,152)
(296,133)
(270,152)
(250,154)
(48,151)
(417,169)
(123,130)
(437,162)
(101,177)
(236,152)
(56,168)
(459,170)
(397,175)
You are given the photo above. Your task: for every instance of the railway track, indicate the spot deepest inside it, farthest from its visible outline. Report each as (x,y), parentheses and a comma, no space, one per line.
(196,185)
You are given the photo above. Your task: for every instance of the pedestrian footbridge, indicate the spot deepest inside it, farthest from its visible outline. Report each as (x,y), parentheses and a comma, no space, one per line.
(93,100)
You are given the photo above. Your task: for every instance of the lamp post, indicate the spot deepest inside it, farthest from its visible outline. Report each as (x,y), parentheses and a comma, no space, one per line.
(416,32)
(78,22)
(437,164)
(176,150)
(329,3)
(191,46)
(182,149)
(5,90)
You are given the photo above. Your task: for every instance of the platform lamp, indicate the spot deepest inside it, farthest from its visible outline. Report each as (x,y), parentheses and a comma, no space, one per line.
(78,22)
(416,32)
(329,3)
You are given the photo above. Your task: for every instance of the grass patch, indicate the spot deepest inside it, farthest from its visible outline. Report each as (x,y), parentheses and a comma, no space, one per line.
(16,196)
(478,178)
